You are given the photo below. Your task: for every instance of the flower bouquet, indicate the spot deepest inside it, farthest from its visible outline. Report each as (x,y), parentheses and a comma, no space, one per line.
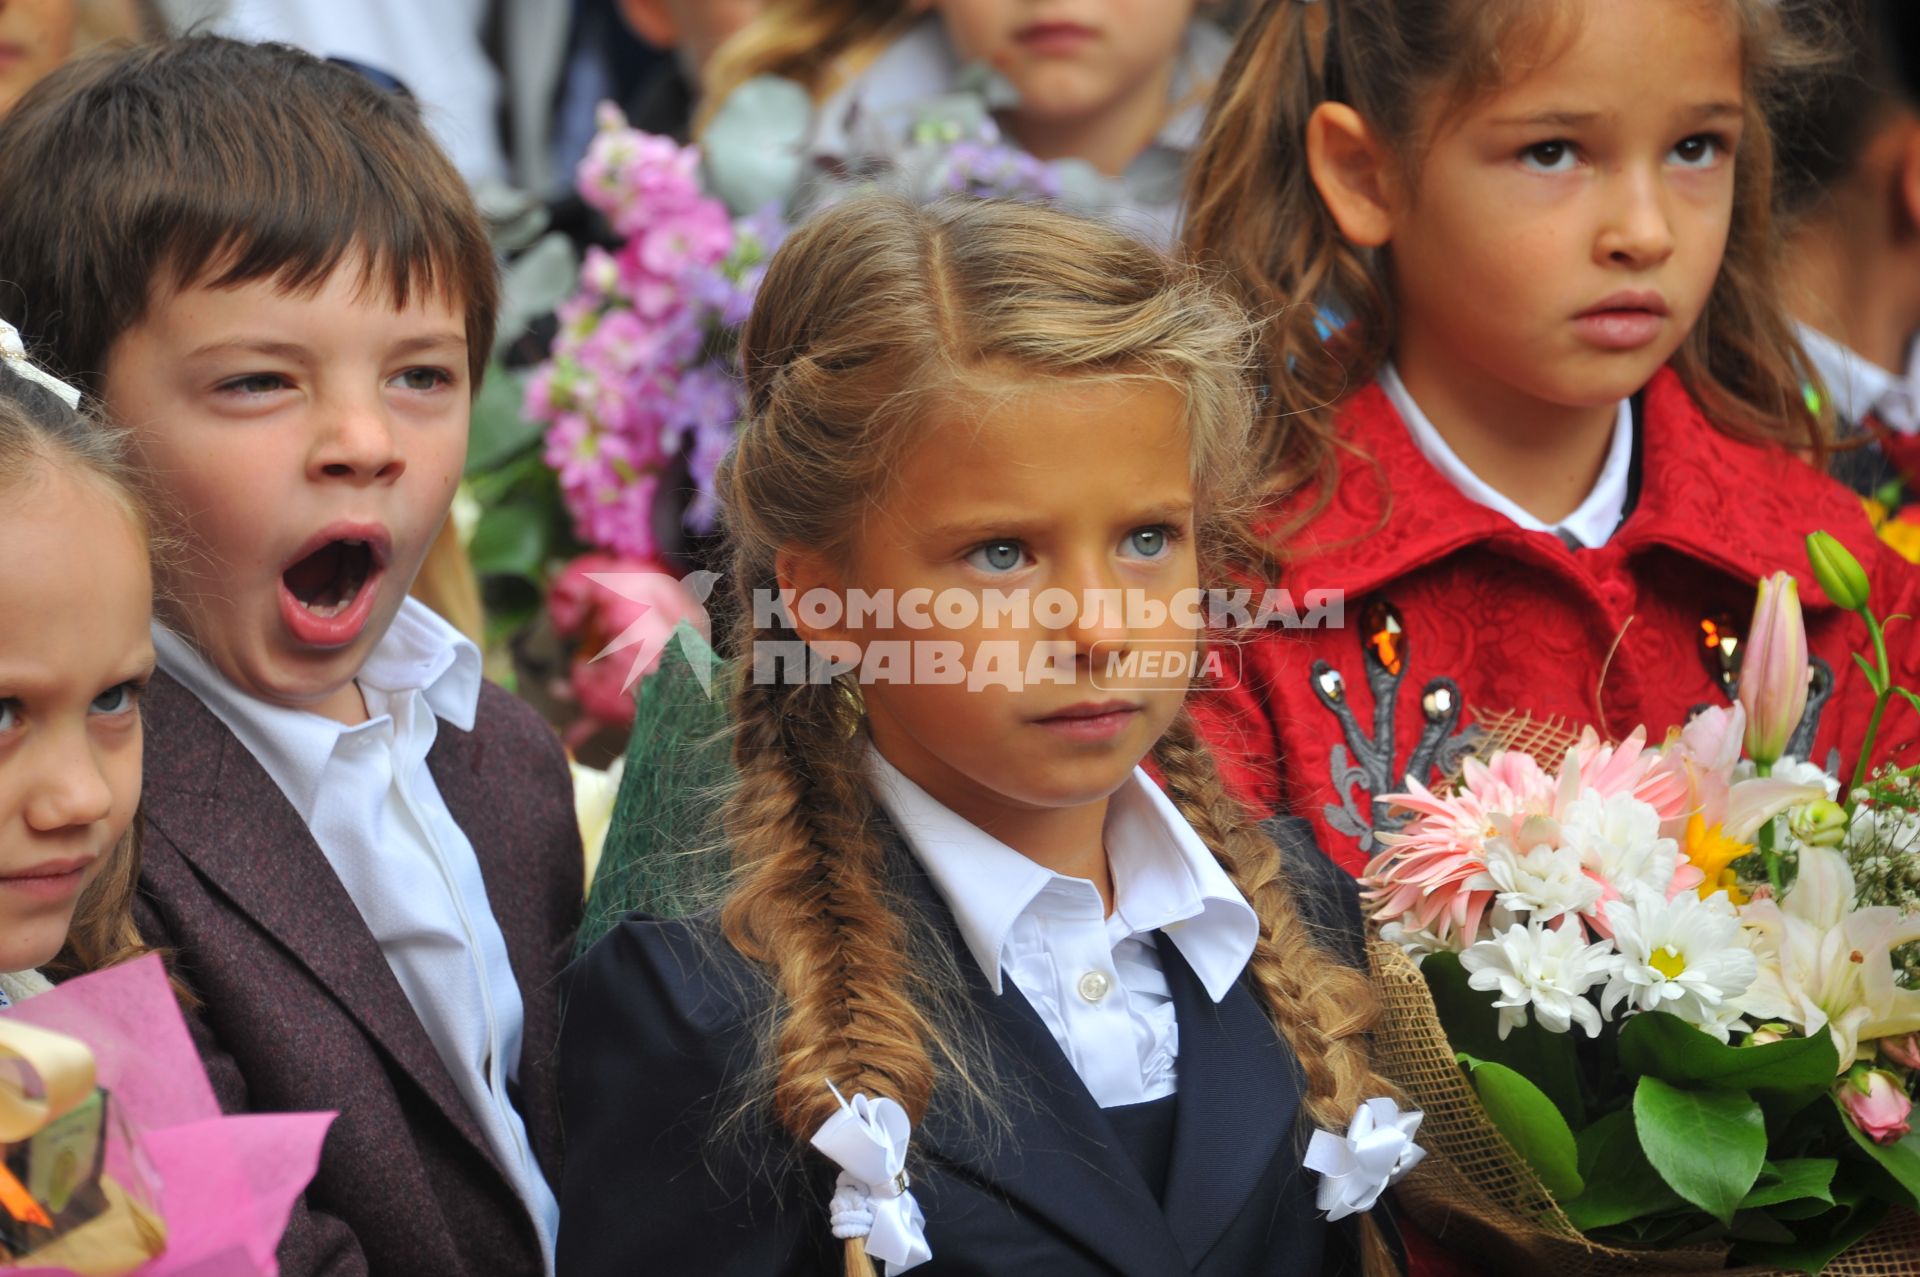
(114,1157)
(1658,1002)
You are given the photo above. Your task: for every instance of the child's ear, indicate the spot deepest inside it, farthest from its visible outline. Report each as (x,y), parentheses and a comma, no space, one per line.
(1907,175)
(652,21)
(803,572)
(1352,169)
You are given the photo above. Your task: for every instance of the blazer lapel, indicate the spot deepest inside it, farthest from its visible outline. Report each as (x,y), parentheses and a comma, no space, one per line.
(218,806)
(1060,1158)
(1239,1093)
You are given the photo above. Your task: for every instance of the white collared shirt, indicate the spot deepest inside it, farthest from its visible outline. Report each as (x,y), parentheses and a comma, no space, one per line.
(1858,388)
(1094,979)
(1591,525)
(370,801)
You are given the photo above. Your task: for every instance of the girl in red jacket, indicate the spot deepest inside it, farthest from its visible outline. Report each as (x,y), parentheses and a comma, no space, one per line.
(1560,434)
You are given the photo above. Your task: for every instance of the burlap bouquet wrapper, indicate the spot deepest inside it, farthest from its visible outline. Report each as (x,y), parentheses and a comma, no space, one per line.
(1479,1197)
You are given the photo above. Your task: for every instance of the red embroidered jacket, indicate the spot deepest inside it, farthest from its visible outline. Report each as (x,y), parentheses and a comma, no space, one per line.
(1454,614)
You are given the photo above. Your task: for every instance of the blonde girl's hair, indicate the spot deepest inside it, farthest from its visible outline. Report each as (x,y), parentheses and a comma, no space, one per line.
(875,318)
(39,434)
(812,42)
(1252,207)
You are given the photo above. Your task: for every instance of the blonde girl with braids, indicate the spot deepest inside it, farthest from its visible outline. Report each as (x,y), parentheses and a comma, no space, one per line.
(76,598)
(1108,94)
(1110,1012)
(1560,431)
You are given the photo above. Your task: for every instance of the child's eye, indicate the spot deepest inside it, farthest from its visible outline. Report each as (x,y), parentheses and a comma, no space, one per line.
(998,556)
(424,379)
(1699,151)
(1149,543)
(9,714)
(118,699)
(258,383)
(1549,157)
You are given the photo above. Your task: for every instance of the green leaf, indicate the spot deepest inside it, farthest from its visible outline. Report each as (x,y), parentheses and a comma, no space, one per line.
(1873,675)
(511,540)
(1792,1179)
(1814,1246)
(1620,1185)
(1708,1145)
(498,429)
(1472,1025)
(1911,699)
(1901,1160)
(1531,1124)
(1660,1045)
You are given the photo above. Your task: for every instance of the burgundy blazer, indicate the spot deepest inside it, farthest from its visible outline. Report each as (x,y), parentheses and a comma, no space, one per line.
(299,1010)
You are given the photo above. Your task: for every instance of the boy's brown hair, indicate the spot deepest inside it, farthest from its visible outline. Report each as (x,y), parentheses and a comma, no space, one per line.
(211,161)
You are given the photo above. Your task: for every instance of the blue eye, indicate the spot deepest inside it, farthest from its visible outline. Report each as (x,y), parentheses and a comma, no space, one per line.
(9,713)
(1699,151)
(1549,157)
(118,699)
(1147,543)
(998,556)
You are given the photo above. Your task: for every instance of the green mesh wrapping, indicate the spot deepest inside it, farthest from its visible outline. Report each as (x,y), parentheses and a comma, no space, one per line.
(660,853)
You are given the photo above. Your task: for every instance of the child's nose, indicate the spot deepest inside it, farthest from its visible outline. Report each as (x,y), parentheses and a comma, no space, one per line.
(68,789)
(1638,231)
(357,442)
(1100,605)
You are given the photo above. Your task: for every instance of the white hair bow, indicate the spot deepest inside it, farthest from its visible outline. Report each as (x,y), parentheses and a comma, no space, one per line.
(15,353)
(1377,1150)
(867,1140)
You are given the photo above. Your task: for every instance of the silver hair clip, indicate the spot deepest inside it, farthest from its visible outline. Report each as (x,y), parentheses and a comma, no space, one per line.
(15,353)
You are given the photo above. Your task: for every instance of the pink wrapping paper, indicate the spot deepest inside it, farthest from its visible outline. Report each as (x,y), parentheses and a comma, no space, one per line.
(226,1184)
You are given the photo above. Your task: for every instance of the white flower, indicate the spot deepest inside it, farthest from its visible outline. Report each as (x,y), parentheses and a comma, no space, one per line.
(1547,968)
(1618,840)
(1686,956)
(1794,771)
(1543,882)
(1416,941)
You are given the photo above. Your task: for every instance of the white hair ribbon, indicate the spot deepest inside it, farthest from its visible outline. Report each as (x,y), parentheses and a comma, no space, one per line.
(867,1140)
(1377,1149)
(15,353)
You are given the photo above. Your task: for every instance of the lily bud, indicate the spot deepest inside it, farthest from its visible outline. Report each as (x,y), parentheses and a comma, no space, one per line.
(1837,571)
(1820,823)
(1773,670)
(1877,1103)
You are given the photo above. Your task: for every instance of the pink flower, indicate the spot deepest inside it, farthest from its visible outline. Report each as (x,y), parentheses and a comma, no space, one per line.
(1773,669)
(1903,1050)
(638,611)
(1878,1105)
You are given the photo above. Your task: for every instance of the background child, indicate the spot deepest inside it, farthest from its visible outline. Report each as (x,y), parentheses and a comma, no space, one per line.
(1849,191)
(75,655)
(1113,88)
(1550,452)
(363,857)
(970,901)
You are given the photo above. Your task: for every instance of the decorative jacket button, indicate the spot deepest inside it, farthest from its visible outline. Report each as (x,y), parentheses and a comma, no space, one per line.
(1094,985)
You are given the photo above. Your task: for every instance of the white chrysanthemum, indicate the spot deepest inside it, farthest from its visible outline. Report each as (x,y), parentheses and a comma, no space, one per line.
(1544,882)
(1793,770)
(1415,940)
(1686,956)
(1618,839)
(1547,968)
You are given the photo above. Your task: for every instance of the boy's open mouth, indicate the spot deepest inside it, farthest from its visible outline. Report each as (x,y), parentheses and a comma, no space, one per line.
(328,590)
(329,579)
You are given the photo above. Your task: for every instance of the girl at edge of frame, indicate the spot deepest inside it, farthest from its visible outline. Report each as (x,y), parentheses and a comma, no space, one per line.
(1111,1011)
(1559,431)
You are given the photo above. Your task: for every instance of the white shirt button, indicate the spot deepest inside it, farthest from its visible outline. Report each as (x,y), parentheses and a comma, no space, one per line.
(1094,985)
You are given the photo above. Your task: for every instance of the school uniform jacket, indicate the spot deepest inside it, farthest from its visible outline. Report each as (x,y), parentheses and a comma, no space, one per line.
(658,1036)
(1454,615)
(300,1011)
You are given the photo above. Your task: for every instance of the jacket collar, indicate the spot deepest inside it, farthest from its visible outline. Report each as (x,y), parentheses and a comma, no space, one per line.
(1239,1094)
(1393,513)
(227,817)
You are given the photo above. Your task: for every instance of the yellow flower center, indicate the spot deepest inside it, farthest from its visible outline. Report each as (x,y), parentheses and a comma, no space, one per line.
(1667,963)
